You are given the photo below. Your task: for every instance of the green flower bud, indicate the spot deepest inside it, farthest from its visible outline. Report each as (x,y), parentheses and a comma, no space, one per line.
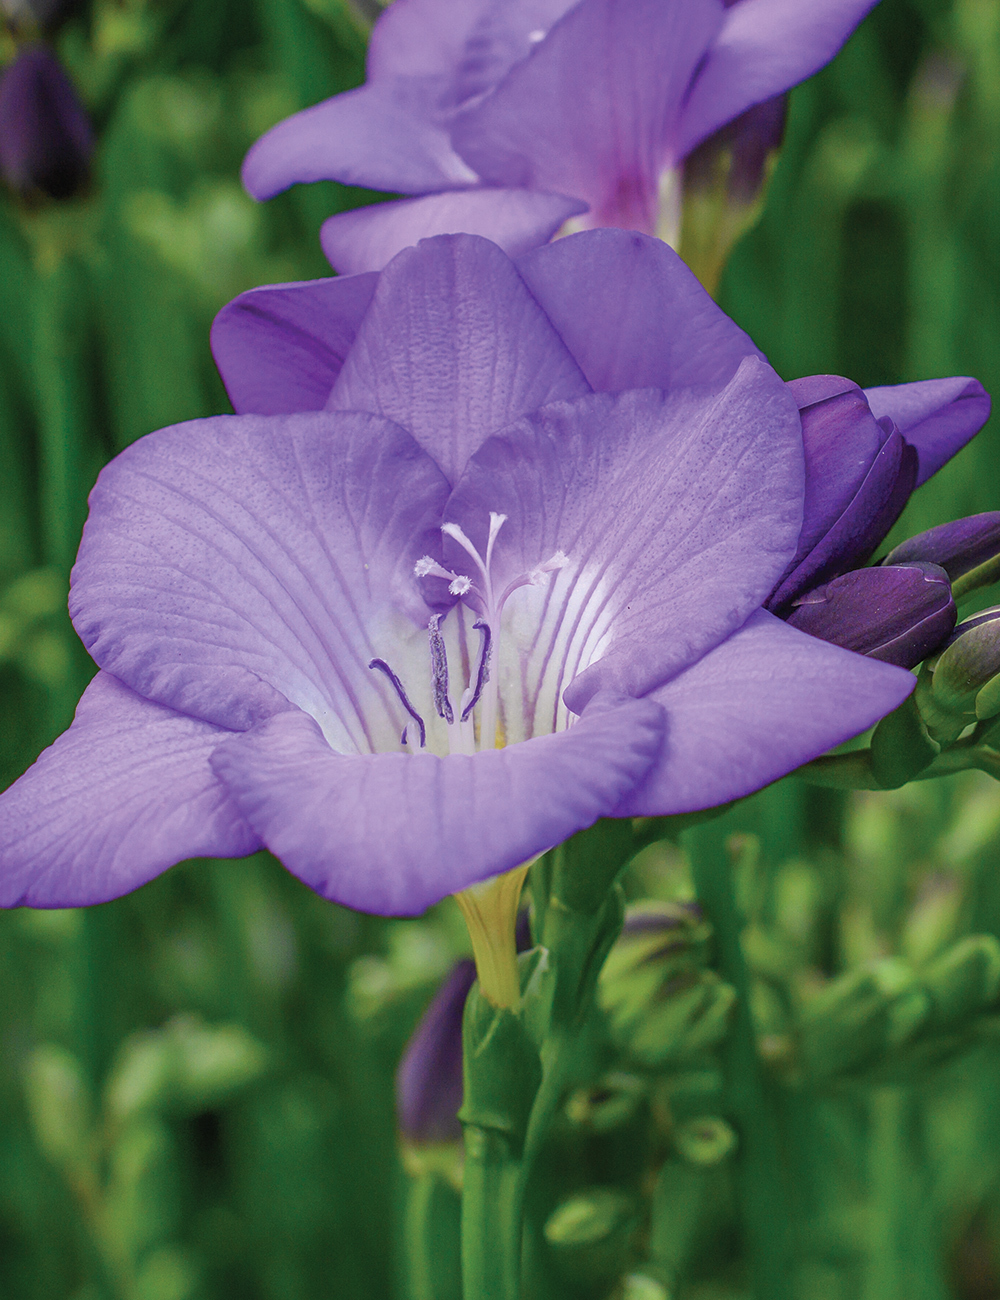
(651,981)
(590,1234)
(965,677)
(706,1140)
(614,1102)
(965,979)
(933,918)
(59,1105)
(141,1077)
(662,1004)
(852,1021)
(689,1018)
(213,1061)
(639,1286)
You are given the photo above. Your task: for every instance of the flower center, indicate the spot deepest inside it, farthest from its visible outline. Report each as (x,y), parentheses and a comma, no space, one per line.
(479,700)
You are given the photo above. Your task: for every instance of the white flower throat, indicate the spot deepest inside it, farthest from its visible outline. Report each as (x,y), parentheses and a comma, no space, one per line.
(480,695)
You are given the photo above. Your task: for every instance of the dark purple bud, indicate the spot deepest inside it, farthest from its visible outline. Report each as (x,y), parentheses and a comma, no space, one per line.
(673,924)
(45,138)
(523,941)
(655,918)
(429,1077)
(964,549)
(724,185)
(740,153)
(859,475)
(900,614)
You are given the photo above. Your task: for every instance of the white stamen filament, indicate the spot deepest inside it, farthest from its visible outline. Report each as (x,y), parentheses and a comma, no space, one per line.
(461,730)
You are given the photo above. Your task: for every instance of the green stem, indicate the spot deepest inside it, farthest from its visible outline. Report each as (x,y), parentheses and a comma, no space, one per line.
(492,1202)
(884,1276)
(904,1244)
(547,1098)
(761,1191)
(431,1226)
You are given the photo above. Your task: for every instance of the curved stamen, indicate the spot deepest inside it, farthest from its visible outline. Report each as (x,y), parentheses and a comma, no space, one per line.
(383,667)
(497,521)
(483,675)
(536,577)
(439,671)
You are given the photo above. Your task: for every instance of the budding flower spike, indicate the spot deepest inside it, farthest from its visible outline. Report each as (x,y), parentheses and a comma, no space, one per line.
(413,639)
(512,120)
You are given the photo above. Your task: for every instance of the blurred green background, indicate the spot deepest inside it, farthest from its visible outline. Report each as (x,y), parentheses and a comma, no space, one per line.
(196,1080)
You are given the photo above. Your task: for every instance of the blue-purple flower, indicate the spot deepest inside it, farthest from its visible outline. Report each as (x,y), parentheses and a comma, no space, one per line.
(510,117)
(489,565)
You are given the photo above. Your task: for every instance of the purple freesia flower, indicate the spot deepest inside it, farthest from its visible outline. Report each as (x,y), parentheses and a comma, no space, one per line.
(507,581)
(508,117)
(633,315)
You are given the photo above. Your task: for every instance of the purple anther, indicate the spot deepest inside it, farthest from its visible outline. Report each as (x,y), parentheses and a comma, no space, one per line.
(383,667)
(483,676)
(439,671)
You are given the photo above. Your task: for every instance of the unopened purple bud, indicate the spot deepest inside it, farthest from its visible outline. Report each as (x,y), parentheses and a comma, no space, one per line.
(655,918)
(429,1077)
(45,138)
(523,941)
(724,184)
(675,925)
(900,614)
(742,150)
(960,548)
(859,475)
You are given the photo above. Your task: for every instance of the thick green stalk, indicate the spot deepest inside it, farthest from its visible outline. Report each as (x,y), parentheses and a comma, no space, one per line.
(430,1230)
(904,1242)
(492,1208)
(761,1190)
